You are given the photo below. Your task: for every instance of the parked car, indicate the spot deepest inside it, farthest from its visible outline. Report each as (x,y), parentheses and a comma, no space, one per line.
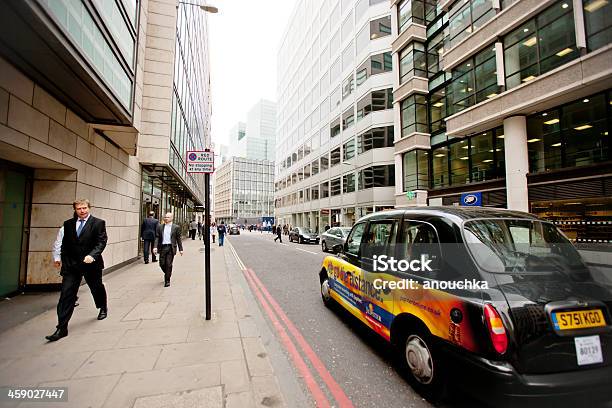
(536,331)
(233,230)
(333,237)
(303,235)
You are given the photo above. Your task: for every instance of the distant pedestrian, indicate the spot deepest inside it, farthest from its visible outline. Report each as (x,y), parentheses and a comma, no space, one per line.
(222,231)
(168,236)
(213,232)
(193,227)
(200,226)
(83,242)
(147,233)
(279,234)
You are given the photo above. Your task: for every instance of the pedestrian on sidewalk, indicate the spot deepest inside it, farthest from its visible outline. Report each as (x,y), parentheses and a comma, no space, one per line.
(193,227)
(221,230)
(168,238)
(213,232)
(147,233)
(83,242)
(279,234)
(200,226)
(56,250)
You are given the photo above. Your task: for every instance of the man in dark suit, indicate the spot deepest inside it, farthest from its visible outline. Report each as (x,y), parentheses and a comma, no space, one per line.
(81,256)
(168,238)
(147,233)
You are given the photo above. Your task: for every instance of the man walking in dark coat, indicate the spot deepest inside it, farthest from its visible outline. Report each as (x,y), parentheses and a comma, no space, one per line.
(222,231)
(81,256)
(168,237)
(147,233)
(279,234)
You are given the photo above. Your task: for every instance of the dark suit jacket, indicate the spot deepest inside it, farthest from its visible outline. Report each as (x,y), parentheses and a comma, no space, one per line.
(149,228)
(175,238)
(91,242)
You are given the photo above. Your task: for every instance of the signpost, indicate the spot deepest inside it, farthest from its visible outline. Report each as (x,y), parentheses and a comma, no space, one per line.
(204,162)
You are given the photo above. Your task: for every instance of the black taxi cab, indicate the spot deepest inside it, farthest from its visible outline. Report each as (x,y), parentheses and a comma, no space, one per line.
(495,302)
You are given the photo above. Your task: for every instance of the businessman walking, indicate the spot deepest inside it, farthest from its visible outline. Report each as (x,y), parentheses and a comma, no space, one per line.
(147,233)
(168,238)
(83,242)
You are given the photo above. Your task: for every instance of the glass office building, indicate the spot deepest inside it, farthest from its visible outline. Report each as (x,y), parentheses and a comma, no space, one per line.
(334,155)
(510,99)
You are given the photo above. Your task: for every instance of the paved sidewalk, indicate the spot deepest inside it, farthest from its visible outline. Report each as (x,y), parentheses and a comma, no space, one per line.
(155,349)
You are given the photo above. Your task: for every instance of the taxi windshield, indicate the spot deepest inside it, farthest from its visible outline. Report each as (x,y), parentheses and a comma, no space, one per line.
(520,245)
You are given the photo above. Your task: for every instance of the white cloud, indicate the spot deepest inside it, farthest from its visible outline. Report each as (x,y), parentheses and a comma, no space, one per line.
(244,38)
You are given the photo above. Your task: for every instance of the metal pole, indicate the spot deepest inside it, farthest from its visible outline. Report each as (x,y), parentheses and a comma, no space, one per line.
(207,242)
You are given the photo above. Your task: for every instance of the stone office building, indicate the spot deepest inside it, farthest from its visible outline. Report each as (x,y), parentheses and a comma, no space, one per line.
(89,98)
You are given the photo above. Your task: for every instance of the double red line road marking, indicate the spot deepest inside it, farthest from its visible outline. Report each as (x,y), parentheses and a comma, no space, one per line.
(275,312)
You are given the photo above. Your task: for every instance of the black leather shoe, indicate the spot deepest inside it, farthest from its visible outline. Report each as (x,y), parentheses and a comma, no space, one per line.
(103,313)
(146,262)
(59,333)
(166,284)
(154,260)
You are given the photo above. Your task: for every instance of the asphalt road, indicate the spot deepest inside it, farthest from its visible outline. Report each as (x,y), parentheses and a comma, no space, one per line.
(358,359)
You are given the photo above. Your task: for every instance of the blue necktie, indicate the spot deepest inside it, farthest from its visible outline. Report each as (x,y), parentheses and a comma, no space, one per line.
(80,228)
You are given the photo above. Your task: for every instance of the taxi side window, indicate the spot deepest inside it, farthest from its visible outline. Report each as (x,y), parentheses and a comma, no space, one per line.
(353,242)
(379,238)
(419,241)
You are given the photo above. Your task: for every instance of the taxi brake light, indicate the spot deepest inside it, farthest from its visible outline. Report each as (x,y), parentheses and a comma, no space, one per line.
(497,331)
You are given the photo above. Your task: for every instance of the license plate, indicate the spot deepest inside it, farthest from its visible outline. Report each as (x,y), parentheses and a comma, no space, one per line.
(588,350)
(578,319)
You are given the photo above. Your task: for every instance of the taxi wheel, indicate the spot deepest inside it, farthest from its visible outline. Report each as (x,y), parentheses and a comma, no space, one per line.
(323,246)
(419,357)
(325,293)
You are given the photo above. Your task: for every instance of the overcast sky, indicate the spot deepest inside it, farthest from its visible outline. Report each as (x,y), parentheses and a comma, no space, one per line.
(243,38)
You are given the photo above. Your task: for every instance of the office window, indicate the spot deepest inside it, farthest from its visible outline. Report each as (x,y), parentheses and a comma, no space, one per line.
(415,11)
(348,150)
(314,193)
(540,45)
(334,157)
(375,64)
(306,171)
(473,81)
(348,118)
(416,170)
(459,162)
(466,17)
(375,101)
(374,139)
(335,127)
(377,176)
(324,163)
(335,99)
(335,188)
(363,39)
(380,27)
(482,154)
(412,62)
(598,21)
(315,167)
(335,71)
(573,135)
(437,111)
(348,183)
(347,27)
(324,188)
(435,49)
(440,176)
(414,115)
(348,86)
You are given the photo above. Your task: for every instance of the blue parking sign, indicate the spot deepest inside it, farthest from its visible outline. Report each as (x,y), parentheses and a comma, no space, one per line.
(471,199)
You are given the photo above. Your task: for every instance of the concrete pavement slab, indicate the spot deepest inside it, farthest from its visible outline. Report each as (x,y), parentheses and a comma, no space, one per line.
(147,310)
(156,336)
(214,350)
(240,400)
(119,361)
(211,397)
(235,376)
(213,330)
(256,356)
(35,369)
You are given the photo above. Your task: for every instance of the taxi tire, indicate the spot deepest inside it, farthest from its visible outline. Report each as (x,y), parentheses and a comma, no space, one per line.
(329,303)
(436,389)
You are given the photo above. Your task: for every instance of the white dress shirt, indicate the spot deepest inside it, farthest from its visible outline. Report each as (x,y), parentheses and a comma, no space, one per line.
(78,222)
(57,245)
(167,239)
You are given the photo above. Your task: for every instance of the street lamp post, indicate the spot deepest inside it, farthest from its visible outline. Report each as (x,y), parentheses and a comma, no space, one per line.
(205,7)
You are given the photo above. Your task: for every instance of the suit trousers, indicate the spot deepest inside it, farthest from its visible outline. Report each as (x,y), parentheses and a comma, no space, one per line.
(70,287)
(166,257)
(148,247)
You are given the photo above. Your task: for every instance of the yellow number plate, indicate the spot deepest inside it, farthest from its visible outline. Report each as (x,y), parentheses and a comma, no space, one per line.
(578,319)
